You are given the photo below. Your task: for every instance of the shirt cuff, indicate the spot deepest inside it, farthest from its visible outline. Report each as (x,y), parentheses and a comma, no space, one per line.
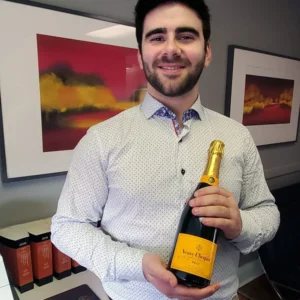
(129,264)
(250,234)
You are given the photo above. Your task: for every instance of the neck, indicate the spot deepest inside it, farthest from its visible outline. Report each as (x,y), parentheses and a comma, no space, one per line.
(177,104)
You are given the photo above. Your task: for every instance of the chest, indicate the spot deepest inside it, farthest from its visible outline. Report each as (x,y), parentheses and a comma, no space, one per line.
(154,164)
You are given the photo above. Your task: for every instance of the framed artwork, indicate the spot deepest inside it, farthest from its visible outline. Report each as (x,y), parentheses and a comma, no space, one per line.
(263,93)
(60,73)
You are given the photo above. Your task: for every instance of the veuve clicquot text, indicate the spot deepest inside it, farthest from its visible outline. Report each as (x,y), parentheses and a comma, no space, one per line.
(195,246)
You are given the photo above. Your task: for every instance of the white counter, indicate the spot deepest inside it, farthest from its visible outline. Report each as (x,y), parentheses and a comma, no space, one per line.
(5,291)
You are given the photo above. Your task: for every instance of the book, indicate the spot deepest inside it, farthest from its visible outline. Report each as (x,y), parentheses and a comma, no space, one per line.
(82,292)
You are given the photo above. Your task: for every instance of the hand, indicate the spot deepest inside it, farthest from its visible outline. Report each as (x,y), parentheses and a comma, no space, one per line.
(155,272)
(219,209)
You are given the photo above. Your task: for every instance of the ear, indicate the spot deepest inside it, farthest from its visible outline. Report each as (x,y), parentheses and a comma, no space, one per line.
(208,55)
(139,57)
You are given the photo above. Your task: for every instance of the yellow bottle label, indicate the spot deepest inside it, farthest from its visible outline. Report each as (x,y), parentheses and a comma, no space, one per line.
(211,180)
(194,255)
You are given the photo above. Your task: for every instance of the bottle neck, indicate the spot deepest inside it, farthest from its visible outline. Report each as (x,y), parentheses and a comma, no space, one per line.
(211,173)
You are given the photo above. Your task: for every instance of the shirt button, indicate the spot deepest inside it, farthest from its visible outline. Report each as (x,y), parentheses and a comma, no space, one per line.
(182,171)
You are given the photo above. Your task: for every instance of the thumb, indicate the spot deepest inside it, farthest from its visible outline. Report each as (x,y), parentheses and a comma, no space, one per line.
(163,274)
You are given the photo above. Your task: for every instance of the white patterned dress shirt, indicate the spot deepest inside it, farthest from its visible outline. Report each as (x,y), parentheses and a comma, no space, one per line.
(134,172)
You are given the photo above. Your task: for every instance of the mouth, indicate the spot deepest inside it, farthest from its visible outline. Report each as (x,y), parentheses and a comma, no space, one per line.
(171,68)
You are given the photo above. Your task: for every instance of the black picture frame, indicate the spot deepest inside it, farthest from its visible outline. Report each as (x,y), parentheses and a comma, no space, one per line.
(5,149)
(266,69)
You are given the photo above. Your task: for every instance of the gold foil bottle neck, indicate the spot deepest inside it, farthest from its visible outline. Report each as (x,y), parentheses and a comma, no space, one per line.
(215,154)
(216,147)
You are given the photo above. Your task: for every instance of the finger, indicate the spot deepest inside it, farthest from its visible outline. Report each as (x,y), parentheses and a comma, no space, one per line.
(208,190)
(212,211)
(209,200)
(164,275)
(223,224)
(183,292)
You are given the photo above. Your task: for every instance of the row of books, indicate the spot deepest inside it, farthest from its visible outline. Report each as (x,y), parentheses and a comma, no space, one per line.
(30,257)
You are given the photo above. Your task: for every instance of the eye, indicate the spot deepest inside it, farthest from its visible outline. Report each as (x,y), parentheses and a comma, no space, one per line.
(157,39)
(186,37)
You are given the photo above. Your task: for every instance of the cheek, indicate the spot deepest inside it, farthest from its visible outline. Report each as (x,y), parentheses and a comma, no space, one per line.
(150,54)
(195,56)
(148,60)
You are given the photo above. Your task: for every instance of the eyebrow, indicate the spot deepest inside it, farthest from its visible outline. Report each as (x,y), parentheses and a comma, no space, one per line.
(155,31)
(163,30)
(187,29)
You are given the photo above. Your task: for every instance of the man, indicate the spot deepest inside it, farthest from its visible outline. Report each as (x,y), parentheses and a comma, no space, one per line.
(135,171)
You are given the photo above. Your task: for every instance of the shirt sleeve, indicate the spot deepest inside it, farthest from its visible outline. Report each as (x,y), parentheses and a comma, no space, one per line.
(80,206)
(259,213)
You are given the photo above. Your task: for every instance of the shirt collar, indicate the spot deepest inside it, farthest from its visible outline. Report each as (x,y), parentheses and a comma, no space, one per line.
(150,106)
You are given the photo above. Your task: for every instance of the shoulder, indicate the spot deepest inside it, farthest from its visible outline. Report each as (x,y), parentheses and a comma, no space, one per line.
(226,125)
(237,137)
(119,122)
(111,131)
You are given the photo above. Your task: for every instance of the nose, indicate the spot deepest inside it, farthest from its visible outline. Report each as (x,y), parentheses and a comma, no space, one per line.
(172,48)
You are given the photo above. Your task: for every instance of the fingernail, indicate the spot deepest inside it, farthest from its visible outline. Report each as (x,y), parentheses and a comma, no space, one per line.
(191,202)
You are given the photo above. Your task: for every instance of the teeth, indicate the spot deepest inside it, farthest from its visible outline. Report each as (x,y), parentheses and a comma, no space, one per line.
(171,68)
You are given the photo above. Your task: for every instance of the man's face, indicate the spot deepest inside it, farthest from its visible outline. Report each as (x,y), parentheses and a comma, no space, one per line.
(173,50)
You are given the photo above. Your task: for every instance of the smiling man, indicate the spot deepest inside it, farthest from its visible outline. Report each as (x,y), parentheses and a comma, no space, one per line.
(135,171)
(173,54)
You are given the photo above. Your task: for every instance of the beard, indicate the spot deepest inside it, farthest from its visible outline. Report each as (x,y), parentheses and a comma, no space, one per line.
(173,88)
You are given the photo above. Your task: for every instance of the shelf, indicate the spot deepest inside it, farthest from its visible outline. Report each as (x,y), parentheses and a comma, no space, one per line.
(59,286)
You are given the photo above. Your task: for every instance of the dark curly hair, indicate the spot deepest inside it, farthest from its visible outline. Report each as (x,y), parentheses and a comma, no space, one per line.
(143,7)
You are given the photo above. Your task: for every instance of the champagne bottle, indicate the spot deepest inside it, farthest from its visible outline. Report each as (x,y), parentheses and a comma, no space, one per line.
(195,246)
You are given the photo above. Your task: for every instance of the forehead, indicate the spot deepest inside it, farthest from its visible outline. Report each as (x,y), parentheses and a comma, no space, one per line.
(172,16)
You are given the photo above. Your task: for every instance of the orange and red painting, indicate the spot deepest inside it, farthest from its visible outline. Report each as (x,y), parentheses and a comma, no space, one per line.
(82,84)
(267,100)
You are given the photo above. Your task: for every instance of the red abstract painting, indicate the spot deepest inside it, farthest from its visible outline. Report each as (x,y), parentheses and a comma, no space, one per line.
(267,100)
(81,84)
